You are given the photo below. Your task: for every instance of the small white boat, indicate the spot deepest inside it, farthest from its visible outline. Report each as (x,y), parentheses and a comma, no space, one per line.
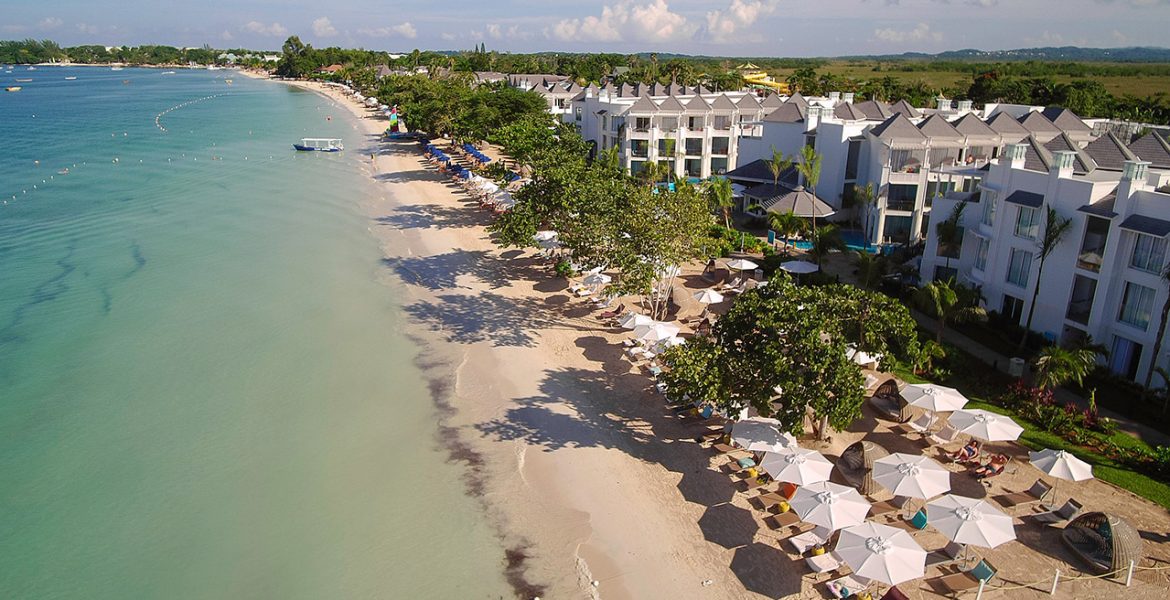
(12,88)
(319,145)
(213,68)
(32,68)
(115,68)
(71,78)
(168,73)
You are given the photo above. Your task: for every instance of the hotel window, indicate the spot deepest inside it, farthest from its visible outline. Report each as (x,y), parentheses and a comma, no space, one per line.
(642,123)
(1028,223)
(1149,253)
(669,123)
(720,145)
(577,113)
(1093,245)
(981,254)
(988,202)
(1019,267)
(1012,309)
(694,146)
(1136,305)
(695,123)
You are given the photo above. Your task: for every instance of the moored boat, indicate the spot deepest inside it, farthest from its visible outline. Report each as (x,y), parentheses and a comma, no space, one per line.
(319,145)
(71,78)
(12,88)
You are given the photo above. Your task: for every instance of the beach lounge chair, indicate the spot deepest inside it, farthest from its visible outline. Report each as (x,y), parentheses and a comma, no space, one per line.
(615,313)
(782,520)
(963,581)
(951,553)
(823,563)
(944,435)
(731,284)
(919,425)
(895,594)
(1065,513)
(914,523)
(808,540)
(884,507)
(847,586)
(1035,493)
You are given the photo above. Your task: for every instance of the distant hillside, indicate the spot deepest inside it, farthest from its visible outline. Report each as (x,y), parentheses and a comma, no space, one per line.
(1071,53)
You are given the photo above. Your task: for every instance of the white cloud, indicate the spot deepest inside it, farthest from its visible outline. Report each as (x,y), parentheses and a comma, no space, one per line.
(1046,39)
(722,25)
(50,23)
(12,28)
(86,28)
(405,30)
(493,31)
(625,21)
(920,33)
(226,36)
(323,28)
(448,37)
(273,30)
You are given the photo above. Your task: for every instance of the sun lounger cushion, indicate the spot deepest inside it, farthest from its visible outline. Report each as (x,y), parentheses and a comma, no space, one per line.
(982,571)
(847,586)
(746,462)
(918,521)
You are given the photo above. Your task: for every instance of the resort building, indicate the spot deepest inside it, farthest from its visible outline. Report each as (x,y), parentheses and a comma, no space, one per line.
(695,131)
(1103,281)
(910,156)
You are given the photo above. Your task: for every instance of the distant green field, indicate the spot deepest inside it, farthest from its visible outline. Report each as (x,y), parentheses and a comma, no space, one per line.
(1137,85)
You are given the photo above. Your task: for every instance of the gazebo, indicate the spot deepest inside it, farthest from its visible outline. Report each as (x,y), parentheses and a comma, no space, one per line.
(783,199)
(856,465)
(1106,542)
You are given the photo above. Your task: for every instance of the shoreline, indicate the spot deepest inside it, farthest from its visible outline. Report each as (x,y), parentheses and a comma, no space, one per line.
(580,513)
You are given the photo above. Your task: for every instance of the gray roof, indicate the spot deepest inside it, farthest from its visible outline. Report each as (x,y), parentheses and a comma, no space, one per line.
(723,102)
(1023,198)
(1036,157)
(846,111)
(1009,128)
(757,170)
(935,126)
(1102,207)
(1065,119)
(1143,224)
(796,98)
(898,129)
(971,126)
(643,105)
(1038,123)
(671,104)
(748,102)
(772,101)
(783,199)
(1083,163)
(1109,153)
(904,107)
(874,110)
(1152,148)
(698,103)
(787,113)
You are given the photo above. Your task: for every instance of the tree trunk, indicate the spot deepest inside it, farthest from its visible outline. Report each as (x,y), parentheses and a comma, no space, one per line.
(1032,307)
(1157,350)
(942,324)
(824,427)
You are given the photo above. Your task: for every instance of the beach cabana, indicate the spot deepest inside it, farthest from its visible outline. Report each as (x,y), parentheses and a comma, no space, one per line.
(1106,542)
(856,465)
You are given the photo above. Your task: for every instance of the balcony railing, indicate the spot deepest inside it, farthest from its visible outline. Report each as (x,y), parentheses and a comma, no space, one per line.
(903,205)
(1078,311)
(1090,260)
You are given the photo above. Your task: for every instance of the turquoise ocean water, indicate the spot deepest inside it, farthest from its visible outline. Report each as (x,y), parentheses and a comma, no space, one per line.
(204,387)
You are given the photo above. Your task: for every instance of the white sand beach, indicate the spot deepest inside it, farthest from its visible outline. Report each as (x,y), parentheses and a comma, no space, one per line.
(595,490)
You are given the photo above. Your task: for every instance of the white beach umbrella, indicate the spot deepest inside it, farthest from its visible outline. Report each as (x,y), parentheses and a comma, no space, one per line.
(970,521)
(797,465)
(655,332)
(661,347)
(799,267)
(1061,464)
(760,434)
(863,358)
(985,425)
(742,264)
(870,381)
(830,505)
(881,553)
(487,186)
(545,236)
(633,320)
(709,297)
(935,398)
(911,475)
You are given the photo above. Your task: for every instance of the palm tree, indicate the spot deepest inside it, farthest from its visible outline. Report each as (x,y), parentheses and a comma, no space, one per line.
(1055,228)
(826,238)
(946,301)
(928,352)
(1159,338)
(721,198)
(809,167)
(1056,366)
(777,165)
(785,224)
(870,268)
(864,199)
(652,173)
(950,231)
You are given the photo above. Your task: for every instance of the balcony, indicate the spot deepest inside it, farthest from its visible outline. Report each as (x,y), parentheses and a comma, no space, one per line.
(900,205)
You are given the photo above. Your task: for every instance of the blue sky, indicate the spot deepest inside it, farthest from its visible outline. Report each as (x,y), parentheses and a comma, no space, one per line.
(717,27)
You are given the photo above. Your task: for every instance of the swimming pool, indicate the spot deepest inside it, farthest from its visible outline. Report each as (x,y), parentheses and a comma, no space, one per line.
(854,240)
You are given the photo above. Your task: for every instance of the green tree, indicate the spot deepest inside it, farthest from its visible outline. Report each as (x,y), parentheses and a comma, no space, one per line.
(864,199)
(946,301)
(826,239)
(950,233)
(1055,228)
(785,224)
(1056,366)
(809,168)
(928,352)
(777,164)
(1165,279)
(721,197)
(870,269)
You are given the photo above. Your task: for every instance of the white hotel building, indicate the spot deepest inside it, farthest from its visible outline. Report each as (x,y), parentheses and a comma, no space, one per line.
(1104,278)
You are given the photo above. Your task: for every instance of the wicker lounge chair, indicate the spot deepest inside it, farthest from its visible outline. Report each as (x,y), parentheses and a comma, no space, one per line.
(1106,542)
(847,586)
(856,465)
(944,435)
(1033,494)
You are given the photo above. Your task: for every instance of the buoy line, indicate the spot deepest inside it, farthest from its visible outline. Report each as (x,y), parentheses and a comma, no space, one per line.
(159,116)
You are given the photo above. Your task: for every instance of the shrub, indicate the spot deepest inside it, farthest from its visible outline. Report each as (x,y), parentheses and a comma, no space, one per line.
(564,268)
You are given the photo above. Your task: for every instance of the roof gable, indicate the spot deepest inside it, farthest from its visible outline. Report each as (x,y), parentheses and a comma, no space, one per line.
(1036,156)
(970,125)
(1065,119)
(748,102)
(872,109)
(936,126)
(671,104)
(1109,153)
(1038,123)
(1006,126)
(786,113)
(796,98)
(723,102)
(904,107)
(1152,148)
(899,128)
(698,103)
(846,111)
(757,170)
(772,101)
(643,105)
(1083,163)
